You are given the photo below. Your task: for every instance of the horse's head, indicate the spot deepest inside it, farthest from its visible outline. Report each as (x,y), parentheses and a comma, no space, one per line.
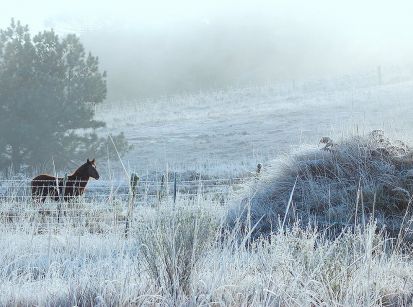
(90,169)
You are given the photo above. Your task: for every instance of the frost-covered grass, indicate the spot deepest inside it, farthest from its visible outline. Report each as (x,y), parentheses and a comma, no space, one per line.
(349,182)
(226,133)
(181,256)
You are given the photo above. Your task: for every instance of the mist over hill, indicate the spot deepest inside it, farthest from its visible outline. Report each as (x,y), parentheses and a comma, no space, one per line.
(212,54)
(162,48)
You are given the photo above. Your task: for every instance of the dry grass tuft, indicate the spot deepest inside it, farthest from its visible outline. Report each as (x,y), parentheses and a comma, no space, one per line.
(171,245)
(348,183)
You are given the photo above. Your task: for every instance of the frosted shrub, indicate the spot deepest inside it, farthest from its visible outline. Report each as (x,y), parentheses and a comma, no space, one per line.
(171,246)
(347,183)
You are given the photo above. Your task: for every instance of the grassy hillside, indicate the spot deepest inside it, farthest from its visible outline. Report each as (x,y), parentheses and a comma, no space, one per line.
(226,133)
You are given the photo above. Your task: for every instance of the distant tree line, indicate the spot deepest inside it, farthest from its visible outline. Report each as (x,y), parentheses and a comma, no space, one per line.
(48,89)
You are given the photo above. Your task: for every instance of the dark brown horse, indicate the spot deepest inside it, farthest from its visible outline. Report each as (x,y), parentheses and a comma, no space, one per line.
(61,188)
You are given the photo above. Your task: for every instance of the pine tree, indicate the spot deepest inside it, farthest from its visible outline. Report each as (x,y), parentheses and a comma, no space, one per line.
(48,87)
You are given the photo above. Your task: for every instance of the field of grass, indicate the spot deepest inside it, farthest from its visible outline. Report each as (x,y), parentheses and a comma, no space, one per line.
(184,253)
(226,133)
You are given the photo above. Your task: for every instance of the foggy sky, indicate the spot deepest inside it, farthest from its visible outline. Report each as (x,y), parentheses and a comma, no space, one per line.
(162,47)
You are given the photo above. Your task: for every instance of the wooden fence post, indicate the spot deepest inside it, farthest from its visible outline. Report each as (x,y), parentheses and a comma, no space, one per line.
(199,190)
(259,168)
(132,195)
(174,189)
(161,189)
(167,182)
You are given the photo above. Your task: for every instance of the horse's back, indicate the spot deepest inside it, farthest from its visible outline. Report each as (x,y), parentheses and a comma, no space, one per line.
(43,177)
(43,185)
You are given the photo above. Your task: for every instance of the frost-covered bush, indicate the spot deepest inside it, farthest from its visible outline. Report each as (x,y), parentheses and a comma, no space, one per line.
(340,185)
(172,244)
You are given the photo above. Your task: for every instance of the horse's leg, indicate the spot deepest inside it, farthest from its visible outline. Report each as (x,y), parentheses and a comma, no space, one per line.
(39,199)
(67,199)
(38,196)
(59,208)
(35,194)
(45,192)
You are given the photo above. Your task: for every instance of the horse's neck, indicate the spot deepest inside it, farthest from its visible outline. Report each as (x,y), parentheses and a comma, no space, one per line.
(78,178)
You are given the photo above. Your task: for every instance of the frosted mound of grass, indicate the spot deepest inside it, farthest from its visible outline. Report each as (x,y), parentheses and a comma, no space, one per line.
(341,185)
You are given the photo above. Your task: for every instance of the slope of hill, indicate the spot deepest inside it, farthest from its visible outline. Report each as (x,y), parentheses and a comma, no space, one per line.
(229,132)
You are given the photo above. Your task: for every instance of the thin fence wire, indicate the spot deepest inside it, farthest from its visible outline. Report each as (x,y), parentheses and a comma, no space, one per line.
(106,201)
(22,187)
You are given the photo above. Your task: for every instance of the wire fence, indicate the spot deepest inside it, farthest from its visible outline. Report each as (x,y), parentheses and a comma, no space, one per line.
(105,194)
(107,205)
(21,189)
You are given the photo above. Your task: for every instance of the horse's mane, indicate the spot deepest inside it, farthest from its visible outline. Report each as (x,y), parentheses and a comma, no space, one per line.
(79,171)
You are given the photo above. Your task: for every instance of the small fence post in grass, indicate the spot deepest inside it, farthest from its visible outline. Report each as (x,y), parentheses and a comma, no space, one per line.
(161,189)
(134,179)
(259,168)
(174,189)
(167,182)
(199,190)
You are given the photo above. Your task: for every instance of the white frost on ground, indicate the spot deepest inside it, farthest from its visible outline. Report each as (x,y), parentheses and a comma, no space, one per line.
(86,260)
(230,131)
